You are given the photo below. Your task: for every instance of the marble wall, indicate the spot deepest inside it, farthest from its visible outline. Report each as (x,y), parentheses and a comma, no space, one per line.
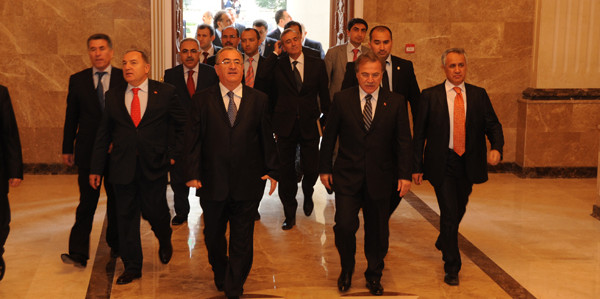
(497,36)
(42,43)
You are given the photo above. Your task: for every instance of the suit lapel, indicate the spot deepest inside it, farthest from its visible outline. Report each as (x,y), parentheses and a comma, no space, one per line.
(287,70)
(89,83)
(441,96)
(122,109)
(381,106)
(220,104)
(243,109)
(356,109)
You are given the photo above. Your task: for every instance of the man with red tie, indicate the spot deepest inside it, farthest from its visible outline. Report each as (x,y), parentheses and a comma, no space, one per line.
(205,34)
(452,122)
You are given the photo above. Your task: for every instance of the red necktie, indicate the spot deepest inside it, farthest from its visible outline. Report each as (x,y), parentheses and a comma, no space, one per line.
(190,83)
(355,54)
(459,123)
(205,54)
(136,114)
(250,74)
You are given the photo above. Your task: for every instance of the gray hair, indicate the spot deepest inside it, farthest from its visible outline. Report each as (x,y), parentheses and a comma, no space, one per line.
(453,50)
(225,49)
(190,39)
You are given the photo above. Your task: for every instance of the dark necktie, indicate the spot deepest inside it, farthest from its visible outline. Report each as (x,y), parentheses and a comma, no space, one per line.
(367,112)
(385,82)
(190,83)
(297,76)
(205,54)
(231,109)
(100,89)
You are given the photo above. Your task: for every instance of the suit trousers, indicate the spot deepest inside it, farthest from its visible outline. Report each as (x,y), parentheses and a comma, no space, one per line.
(376,225)
(4,221)
(79,239)
(229,272)
(149,199)
(180,190)
(309,161)
(452,196)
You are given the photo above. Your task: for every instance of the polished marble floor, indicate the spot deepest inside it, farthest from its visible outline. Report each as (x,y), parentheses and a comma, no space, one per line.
(520,238)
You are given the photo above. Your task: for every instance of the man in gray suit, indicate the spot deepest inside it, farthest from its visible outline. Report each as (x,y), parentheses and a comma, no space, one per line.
(337,57)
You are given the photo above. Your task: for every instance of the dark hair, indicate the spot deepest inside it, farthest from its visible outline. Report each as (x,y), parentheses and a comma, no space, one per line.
(237,33)
(205,26)
(293,23)
(217,17)
(368,57)
(144,55)
(252,29)
(100,36)
(380,28)
(279,15)
(260,23)
(355,21)
(288,30)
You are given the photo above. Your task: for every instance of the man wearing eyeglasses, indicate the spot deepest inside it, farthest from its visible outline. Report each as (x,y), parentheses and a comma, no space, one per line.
(230,154)
(188,78)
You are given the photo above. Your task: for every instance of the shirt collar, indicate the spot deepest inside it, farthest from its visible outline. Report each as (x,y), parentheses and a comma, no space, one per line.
(108,69)
(363,94)
(449,86)
(236,91)
(195,69)
(300,58)
(143,87)
(255,57)
(350,47)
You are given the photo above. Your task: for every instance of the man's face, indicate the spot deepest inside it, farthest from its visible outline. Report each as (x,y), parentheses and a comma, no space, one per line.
(262,31)
(230,68)
(207,18)
(229,37)
(292,44)
(231,13)
(455,68)
(100,53)
(357,34)
(285,19)
(369,76)
(205,39)
(135,69)
(250,42)
(381,43)
(189,54)
(225,21)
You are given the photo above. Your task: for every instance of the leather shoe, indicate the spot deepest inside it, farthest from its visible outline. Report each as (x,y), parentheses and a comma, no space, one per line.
(73,260)
(375,287)
(220,285)
(178,220)
(165,252)
(308,206)
(288,224)
(345,281)
(128,277)
(257,216)
(2,267)
(451,279)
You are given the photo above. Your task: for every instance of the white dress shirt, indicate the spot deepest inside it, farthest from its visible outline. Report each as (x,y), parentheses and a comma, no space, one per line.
(142,95)
(299,65)
(105,78)
(237,96)
(363,101)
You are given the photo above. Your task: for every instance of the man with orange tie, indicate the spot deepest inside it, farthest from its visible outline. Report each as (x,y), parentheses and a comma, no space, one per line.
(188,78)
(136,122)
(450,149)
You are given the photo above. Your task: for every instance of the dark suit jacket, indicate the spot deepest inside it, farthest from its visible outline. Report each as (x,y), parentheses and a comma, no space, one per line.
(380,156)
(275,34)
(206,77)
(10,144)
(217,40)
(84,113)
(315,45)
(432,126)
(269,46)
(289,104)
(404,80)
(147,146)
(230,161)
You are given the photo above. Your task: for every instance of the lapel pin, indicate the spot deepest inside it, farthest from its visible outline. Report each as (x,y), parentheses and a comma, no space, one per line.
(384,104)
(155,92)
(398,68)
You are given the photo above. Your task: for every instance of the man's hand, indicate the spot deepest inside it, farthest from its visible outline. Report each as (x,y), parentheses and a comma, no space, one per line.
(14,182)
(68,159)
(95,180)
(194,184)
(277,48)
(403,187)
(327,180)
(273,183)
(493,157)
(417,178)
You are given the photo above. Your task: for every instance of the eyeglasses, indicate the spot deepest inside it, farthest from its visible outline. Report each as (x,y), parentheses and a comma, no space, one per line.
(227,62)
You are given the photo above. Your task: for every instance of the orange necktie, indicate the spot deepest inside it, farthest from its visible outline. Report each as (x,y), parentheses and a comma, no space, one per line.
(136,114)
(250,74)
(459,123)
(190,83)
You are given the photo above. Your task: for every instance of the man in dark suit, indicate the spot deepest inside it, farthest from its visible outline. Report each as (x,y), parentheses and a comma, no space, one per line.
(299,89)
(11,171)
(85,103)
(221,21)
(256,70)
(399,76)
(313,44)
(267,44)
(230,37)
(136,122)
(230,153)
(307,50)
(188,78)
(373,164)
(205,35)
(454,119)
(282,17)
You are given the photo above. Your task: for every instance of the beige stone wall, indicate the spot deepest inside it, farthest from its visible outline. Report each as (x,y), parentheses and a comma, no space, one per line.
(42,43)
(497,35)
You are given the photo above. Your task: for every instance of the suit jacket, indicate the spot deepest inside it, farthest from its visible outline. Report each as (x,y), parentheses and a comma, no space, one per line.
(432,126)
(269,46)
(335,62)
(10,143)
(290,105)
(230,161)
(315,45)
(275,34)
(147,146)
(84,113)
(175,76)
(380,156)
(217,40)
(404,80)
(261,75)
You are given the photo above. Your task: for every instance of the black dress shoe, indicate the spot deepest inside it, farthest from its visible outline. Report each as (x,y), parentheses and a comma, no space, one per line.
(73,260)
(219,285)
(451,279)
(375,287)
(308,206)
(178,220)
(345,281)
(257,216)
(2,267)
(288,224)
(128,277)
(165,252)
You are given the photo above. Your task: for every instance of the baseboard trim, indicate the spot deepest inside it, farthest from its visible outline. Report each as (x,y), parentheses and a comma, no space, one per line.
(48,168)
